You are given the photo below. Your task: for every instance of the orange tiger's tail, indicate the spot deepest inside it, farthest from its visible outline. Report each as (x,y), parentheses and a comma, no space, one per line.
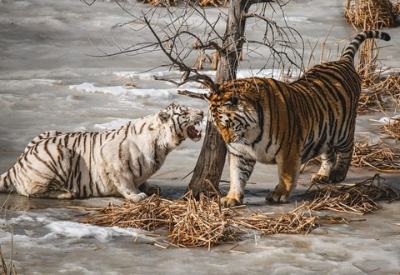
(352,49)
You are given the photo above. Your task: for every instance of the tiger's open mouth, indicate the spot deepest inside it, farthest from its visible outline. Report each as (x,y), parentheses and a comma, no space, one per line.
(193,133)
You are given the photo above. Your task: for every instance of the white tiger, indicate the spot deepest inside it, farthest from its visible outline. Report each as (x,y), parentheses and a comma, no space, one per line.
(113,163)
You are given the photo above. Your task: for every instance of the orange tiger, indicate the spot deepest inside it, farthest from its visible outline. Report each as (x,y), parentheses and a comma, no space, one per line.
(266,120)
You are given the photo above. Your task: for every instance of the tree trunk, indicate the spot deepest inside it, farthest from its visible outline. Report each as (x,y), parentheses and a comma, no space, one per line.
(210,164)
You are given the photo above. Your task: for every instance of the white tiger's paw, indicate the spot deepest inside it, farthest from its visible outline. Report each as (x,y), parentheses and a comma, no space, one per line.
(150,189)
(136,197)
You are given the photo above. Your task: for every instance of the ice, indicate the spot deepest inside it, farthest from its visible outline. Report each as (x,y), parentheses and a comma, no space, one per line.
(52,78)
(68,229)
(387,120)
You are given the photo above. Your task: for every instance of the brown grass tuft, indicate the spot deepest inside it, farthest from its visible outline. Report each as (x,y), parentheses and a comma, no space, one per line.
(373,13)
(204,223)
(357,198)
(392,130)
(377,156)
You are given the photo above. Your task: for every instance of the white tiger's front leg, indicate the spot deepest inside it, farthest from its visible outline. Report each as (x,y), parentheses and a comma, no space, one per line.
(240,170)
(131,193)
(123,179)
(149,189)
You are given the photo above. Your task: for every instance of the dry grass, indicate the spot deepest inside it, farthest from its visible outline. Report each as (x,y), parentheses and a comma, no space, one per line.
(8,269)
(161,3)
(372,13)
(214,3)
(357,198)
(377,156)
(377,89)
(204,223)
(392,130)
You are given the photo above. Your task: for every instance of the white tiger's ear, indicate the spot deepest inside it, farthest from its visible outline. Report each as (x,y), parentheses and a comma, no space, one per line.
(164,116)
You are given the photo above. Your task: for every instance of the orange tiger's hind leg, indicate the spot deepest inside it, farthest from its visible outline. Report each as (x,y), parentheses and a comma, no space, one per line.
(341,168)
(334,167)
(328,161)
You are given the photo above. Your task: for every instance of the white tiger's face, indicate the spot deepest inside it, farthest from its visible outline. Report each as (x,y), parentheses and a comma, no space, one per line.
(182,121)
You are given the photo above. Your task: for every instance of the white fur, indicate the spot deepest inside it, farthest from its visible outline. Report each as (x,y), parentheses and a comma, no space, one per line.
(117,162)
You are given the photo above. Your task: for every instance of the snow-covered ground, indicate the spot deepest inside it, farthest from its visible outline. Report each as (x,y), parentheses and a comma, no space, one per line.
(49,80)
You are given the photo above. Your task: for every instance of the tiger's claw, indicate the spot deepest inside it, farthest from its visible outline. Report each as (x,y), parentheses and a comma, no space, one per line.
(229,201)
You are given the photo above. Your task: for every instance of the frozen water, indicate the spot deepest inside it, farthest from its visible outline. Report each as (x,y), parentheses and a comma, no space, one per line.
(50,80)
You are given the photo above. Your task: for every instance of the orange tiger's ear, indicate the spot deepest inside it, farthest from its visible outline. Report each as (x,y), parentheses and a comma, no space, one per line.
(207,97)
(164,116)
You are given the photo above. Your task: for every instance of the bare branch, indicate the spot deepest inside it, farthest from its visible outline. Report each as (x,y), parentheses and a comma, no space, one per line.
(191,94)
(181,65)
(203,79)
(198,45)
(88,3)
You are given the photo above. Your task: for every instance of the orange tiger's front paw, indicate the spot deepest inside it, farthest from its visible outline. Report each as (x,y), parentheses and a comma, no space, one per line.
(232,200)
(277,197)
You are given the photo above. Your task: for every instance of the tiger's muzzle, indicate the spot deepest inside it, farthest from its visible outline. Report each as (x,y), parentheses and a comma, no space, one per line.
(195,119)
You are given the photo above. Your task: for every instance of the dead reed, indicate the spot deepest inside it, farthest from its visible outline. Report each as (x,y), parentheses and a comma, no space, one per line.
(8,269)
(161,3)
(200,223)
(377,156)
(374,13)
(392,130)
(377,90)
(357,198)
(204,223)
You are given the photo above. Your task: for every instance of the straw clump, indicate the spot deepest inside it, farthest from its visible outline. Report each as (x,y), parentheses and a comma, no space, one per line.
(200,223)
(204,223)
(377,13)
(383,159)
(392,130)
(357,198)
(377,156)
(373,15)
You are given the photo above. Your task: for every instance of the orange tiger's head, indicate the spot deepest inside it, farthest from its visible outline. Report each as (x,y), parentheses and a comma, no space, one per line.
(235,111)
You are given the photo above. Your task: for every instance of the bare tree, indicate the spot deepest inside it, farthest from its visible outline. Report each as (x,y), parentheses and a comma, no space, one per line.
(172,28)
